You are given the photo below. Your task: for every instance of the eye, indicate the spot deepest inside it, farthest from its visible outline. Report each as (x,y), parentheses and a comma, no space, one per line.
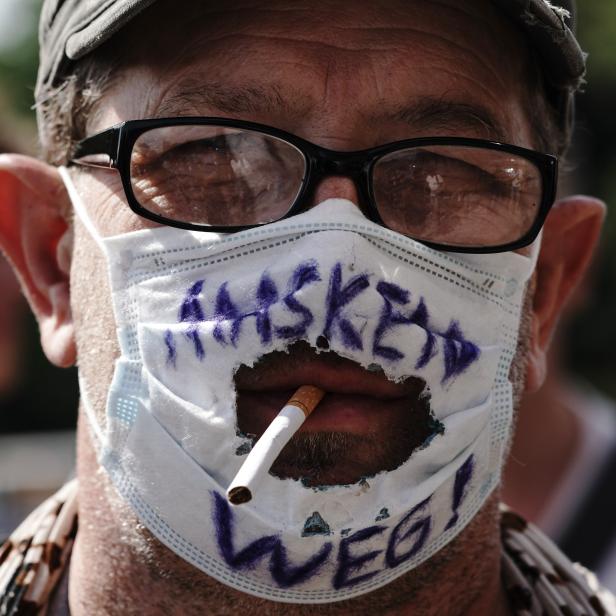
(215,175)
(434,173)
(457,195)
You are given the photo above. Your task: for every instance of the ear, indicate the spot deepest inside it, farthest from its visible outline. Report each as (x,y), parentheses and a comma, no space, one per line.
(570,235)
(37,239)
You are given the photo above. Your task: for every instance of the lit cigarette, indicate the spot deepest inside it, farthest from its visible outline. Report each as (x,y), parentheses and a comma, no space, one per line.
(272,442)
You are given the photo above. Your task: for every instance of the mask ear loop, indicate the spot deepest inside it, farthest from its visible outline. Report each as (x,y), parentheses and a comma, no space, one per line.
(80,208)
(535,250)
(99,437)
(82,213)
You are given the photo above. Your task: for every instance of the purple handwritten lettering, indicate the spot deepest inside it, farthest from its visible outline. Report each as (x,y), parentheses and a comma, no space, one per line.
(305,274)
(459,352)
(267,296)
(172,353)
(463,477)
(349,563)
(409,527)
(226,311)
(191,312)
(391,293)
(338,297)
(428,351)
(283,573)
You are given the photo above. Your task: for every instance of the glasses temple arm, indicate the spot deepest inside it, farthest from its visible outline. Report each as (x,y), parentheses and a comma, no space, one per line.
(98,151)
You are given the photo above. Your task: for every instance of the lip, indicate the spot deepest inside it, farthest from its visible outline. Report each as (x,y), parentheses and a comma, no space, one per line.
(356,400)
(330,372)
(354,413)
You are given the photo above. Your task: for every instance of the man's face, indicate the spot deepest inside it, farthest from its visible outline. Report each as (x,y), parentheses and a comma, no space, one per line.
(346,76)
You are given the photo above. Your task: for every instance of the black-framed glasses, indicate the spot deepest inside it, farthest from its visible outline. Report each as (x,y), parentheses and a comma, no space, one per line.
(223,175)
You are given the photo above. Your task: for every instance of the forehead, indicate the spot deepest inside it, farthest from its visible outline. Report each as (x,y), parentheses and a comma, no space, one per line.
(426,67)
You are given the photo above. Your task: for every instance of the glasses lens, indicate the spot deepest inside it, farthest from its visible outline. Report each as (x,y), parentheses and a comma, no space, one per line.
(215,175)
(459,196)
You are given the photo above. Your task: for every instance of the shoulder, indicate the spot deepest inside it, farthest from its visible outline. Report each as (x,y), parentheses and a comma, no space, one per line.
(34,557)
(540,579)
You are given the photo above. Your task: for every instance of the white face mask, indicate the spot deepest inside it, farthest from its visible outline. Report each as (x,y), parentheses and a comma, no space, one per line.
(190,307)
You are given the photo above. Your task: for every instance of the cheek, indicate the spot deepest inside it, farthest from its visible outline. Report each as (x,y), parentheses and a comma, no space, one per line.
(104,196)
(95,331)
(519,365)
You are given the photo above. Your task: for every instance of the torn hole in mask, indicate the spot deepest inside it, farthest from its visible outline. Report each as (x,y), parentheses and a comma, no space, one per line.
(365,425)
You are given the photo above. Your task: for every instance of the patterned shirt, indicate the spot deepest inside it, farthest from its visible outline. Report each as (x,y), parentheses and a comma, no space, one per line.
(538,578)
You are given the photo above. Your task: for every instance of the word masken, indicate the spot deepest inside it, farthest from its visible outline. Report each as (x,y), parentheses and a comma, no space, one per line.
(335,316)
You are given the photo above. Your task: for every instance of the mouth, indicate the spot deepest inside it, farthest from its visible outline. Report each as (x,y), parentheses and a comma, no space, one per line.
(365,424)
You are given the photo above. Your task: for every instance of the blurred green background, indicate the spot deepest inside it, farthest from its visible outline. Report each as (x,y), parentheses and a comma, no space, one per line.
(48,396)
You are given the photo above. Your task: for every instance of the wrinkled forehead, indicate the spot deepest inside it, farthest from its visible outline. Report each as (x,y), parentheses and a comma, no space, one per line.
(467,32)
(424,62)
(75,30)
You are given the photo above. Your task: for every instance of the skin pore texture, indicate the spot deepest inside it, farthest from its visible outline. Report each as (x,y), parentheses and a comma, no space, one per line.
(346,76)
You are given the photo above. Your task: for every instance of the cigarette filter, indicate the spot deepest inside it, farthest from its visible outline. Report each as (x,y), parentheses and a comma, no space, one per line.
(272,442)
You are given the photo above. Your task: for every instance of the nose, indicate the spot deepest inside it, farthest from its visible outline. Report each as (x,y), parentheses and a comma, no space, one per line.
(337,188)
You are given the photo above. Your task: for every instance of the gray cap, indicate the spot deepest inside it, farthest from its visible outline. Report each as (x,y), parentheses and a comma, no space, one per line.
(71,29)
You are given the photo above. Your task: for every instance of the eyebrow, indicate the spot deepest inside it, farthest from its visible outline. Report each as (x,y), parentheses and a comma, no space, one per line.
(441,114)
(190,96)
(438,114)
